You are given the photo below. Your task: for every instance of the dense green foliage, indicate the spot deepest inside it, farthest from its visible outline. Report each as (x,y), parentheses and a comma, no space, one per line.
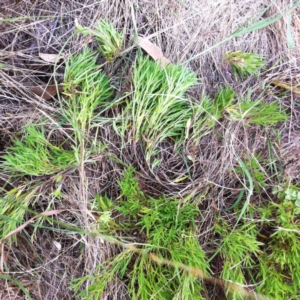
(168,229)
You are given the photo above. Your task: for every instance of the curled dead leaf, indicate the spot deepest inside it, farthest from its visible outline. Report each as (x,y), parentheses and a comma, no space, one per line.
(153,50)
(46,91)
(51,58)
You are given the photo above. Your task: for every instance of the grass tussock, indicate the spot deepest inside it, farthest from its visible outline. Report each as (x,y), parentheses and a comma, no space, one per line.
(158,109)
(142,181)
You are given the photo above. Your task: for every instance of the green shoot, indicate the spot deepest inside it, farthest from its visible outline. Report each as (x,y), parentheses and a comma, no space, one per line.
(104,274)
(36,156)
(110,40)
(255,169)
(208,112)
(87,89)
(223,99)
(243,63)
(256,112)
(157,109)
(17,283)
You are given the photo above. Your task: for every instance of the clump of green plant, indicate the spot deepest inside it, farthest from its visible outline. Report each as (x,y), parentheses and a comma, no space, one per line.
(86,90)
(288,193)
(255,169)
(224,98)
(104,273)
(243,63)
(13,207)
(110,40)
(238,249)
(88,93)
(105,207)
(279,273)
(157,108)
(168,230)
(208,111)
(35,155)
(256,112)
(213,110)
(31,155)
(255,178)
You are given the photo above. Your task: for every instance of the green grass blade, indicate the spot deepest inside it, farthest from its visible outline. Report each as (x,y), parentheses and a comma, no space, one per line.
(241,31)
(249,189)
(18,283)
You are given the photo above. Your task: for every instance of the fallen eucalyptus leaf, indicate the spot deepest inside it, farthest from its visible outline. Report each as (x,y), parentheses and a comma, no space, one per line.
(153,50)
(46,91)
(51,58)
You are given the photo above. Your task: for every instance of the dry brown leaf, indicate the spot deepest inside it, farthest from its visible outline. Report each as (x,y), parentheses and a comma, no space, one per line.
(46,91)
(294,88)
(153,50)
(51,58)
(20,228)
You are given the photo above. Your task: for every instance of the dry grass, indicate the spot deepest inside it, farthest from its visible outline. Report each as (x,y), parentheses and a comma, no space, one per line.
(182,29)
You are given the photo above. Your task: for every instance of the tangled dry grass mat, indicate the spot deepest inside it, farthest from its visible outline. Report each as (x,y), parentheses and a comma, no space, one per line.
(106,194)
